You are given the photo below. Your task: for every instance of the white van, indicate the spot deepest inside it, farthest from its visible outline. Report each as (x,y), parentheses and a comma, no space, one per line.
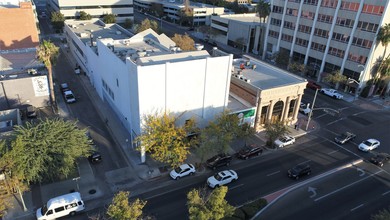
(61,206)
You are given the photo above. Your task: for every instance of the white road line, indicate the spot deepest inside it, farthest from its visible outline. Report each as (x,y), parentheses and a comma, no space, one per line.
(235,186)
(335,121)
(304,162)
(385,193)
(359,206)
(273,173)
(351,184)
(332,152)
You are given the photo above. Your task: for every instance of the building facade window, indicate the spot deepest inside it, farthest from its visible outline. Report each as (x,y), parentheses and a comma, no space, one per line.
(349,6)
(336,52)
(344,22)
(292,12)
(318,47)
(310,2)
(307,14)
(329,3)
(289,25)
(325,18)
(362,42)
(340,37)
(366,26)
(301,42)
(373,9)
(357,58)
(304,29)
(277,9)
(286,37)
(321,33)
(273,34)
(276,22)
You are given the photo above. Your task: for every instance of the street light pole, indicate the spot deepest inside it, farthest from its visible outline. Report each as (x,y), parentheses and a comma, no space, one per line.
(311,111)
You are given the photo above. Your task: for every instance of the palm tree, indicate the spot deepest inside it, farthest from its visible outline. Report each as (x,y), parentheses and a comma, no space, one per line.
(48,53)
(263,9)
(384,38)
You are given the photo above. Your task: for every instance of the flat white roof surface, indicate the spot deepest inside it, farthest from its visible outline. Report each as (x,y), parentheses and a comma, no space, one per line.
(265,76)
(245,18)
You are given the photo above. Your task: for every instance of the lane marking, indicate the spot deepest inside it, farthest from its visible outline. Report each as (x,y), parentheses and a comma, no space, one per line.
(273,173)
(231,188)
(359,206)
(385,193)
(335,121)
(351,184)
(304,162)
(332,152)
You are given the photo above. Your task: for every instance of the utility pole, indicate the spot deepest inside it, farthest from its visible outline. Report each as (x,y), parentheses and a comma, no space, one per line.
(311,111)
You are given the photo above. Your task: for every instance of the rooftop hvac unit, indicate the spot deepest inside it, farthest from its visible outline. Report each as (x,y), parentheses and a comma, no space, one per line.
(118,32)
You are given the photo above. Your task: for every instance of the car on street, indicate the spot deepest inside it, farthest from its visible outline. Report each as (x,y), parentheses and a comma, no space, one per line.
(64,87)
(380,159)
(222,178)
(332,93)
(284,141)
(249,151)
(369,144)
(344,137)
(219,160)
(299,170)
(182,171)
(95,157)
(312,85)
(69,97)
(31,111)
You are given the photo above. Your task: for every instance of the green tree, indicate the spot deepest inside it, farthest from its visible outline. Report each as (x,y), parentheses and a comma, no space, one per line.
(47,53)
(109,19)
(165,141)
(46,150)
(335,78)
(382,215)
(57,20)
(146,24)
(186,16)
(185,42)
(84,16)
(383,71)
(297,67)
(282,58)
(263,9)
(274,131)
(245,131)
(122,209)
(128,23)
(209,206)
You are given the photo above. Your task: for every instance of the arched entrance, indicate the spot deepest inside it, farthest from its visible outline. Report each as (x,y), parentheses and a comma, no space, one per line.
(277,112)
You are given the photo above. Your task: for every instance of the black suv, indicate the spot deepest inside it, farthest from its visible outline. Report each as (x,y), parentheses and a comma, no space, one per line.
(299,170)
(219,160)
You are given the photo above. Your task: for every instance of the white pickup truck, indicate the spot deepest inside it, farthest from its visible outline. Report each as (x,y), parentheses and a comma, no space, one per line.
(332,93)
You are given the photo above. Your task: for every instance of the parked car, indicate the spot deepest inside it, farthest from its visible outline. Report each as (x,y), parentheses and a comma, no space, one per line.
(182,171)
(69,97)
(312,85)
(219,160)
(249,151)
(344,137)
(380,159)
(95,157)
(284,141)
(332,93)
(299,170)
(222,178)
(369,144)
(31,112)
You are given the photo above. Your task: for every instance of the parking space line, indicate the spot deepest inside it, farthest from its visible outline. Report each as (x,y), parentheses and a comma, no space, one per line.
(273,173)
(385,193)
(231,188)
(304,162)
(332,152)
(351,184)
(359,206)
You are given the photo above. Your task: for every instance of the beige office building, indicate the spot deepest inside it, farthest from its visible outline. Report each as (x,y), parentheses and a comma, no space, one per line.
(328,35)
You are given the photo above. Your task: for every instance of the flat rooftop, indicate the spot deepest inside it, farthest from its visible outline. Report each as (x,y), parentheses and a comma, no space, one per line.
(145,48)
(264,76)
(179,3)
(245,18)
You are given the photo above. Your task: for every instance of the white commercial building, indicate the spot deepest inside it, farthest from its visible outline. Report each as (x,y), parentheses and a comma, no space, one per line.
(329,35)
(146,73)
(172,9)
(96,8)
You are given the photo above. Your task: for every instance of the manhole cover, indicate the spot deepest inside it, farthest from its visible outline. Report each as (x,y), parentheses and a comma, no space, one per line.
(92,191)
